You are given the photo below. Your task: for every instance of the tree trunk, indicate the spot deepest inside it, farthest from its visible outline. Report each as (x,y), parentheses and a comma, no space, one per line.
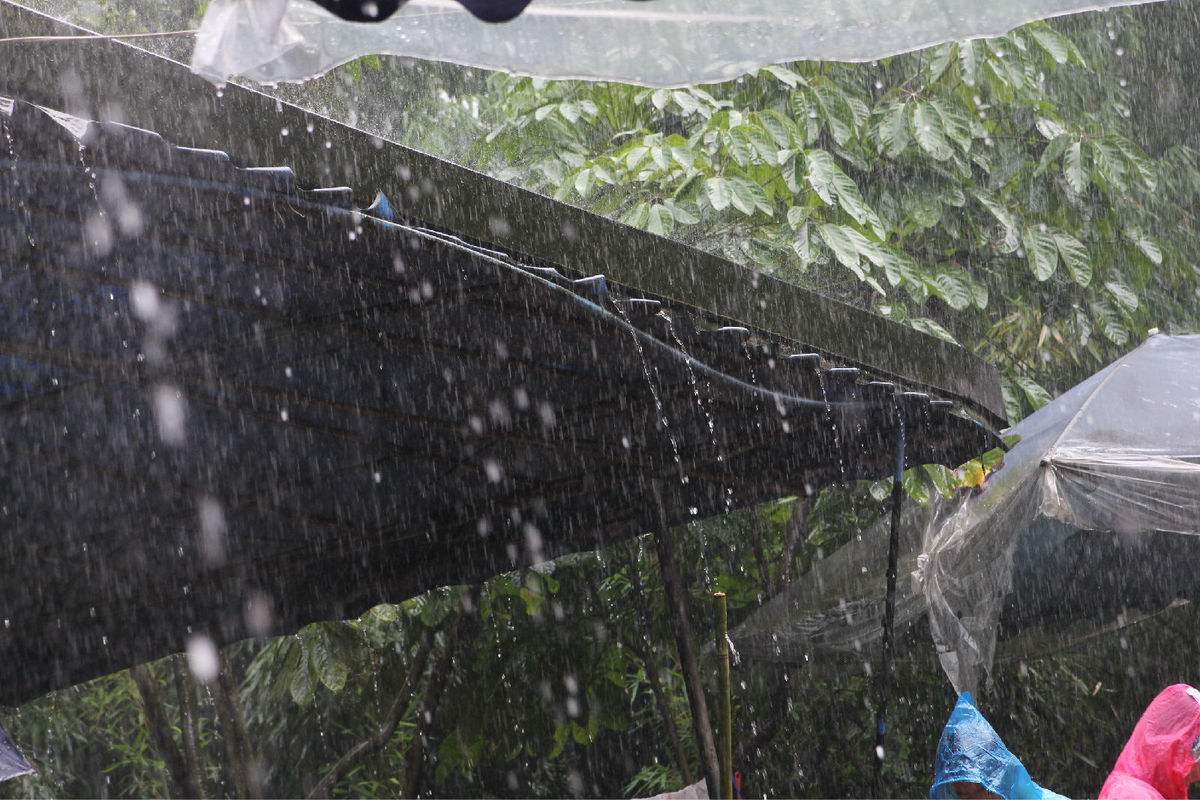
(796,528)
(185,688)
(680,626)
(380,739)
(242,762)
(183,783)
(650,660)
(414,764)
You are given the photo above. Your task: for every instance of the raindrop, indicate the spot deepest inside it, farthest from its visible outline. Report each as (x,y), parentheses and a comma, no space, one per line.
(202,658)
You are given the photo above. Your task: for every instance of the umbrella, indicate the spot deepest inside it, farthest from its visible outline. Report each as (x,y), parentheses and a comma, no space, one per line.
(656,43)
(1090,524)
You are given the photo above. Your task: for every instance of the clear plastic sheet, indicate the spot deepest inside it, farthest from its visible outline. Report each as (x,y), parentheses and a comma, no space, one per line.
(658,43)
(1091,523)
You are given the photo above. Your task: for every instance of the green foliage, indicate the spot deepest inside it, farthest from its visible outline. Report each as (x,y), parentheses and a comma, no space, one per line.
(989,193)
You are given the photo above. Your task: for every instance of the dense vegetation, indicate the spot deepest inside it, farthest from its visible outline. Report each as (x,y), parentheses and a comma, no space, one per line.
(991,193)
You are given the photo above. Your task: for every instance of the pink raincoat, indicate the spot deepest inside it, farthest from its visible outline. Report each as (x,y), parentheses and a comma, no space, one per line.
(1159,755)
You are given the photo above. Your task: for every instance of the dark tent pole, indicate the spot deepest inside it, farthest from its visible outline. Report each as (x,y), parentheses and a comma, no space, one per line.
(889,609)
(682,629)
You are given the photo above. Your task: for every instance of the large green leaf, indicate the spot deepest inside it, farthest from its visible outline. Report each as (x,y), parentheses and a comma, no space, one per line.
(1076,258)
(1073,167)
(1148,246)
(930,131)
(1125,296)
(821,167)
(840,242)
(1034,392)
(747,196)
(1041,251)
(893,129)
(660,220)
(954,289)
(718,192)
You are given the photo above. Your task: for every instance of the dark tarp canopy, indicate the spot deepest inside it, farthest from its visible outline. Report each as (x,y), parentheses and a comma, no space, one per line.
(237,406)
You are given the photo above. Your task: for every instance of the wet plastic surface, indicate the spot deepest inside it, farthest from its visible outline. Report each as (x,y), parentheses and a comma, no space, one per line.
(657,43)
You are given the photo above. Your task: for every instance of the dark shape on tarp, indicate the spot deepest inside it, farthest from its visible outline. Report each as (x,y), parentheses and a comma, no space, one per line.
(379,10)
(12,763)
(970,751)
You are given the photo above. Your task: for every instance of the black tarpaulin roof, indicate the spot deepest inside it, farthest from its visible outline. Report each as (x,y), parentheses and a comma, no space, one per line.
(222,393)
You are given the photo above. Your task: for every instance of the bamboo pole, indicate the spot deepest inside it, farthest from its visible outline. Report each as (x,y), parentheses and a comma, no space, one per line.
(726,753)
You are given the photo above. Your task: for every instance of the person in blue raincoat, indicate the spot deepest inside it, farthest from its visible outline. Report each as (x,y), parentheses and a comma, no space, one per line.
(972,762)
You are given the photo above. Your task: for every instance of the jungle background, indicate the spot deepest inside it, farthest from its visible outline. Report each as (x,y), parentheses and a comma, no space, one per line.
(1030,198)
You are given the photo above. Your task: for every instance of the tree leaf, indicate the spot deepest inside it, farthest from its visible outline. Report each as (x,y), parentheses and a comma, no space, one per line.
(953,289)
(836,110)
(739,146)
(302,686)
(660,220)
(968,61)
(1053,152)
(718,192)
(820,174)
(1041,251)
(1109,322)
(1125,296)
(1034,392)
(1076,258)
(926,325)
(893,130)
(747,196)
(1073,167)
(842,246)
(781,128)
(1148,246)
(1054,44)
(785,75)
(930,132)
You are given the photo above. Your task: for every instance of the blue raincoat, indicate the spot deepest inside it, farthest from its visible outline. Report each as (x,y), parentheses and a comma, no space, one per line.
(970,751)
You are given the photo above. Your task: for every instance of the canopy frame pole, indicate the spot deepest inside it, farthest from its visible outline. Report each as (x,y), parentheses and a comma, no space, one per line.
(883,682)
(722,608)
(682,629)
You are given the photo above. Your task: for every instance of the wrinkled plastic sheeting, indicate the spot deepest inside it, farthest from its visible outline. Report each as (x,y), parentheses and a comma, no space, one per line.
(657,43)
(12,763)
(1116,459)
(837,608)
(1089,525)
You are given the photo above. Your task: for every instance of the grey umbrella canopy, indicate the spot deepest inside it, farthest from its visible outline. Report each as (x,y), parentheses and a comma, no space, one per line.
(1090,523)
(659,43)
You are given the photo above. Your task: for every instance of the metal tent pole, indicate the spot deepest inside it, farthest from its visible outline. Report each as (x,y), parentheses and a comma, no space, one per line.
(889,609)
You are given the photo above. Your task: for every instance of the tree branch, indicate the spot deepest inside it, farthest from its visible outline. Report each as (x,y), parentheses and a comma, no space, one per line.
(182,782)
(796,528)
(677,606)
(378,740)
(242,761)
(438,677)
(652,677)
(185,688)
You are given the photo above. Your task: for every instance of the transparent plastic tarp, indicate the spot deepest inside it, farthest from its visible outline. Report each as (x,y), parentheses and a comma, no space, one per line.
(656,43)
(1092,523)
